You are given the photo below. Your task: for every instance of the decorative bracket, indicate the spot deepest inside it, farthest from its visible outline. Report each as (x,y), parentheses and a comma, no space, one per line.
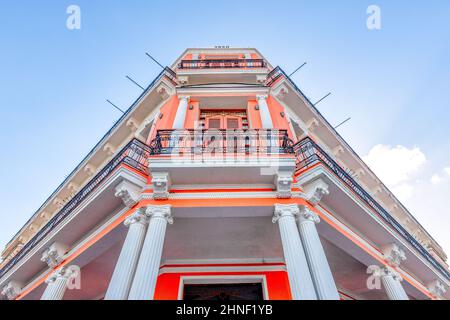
(54,254)
(316,190)
(128,192)
(161,185)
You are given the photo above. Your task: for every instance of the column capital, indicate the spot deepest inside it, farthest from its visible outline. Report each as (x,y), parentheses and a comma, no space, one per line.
(160,212)
(137,217)
(261,97)
(184,97)
(62,273)
(285,210)
(437,288)
(393,254)
(306,214)
(12,290)
(388,272)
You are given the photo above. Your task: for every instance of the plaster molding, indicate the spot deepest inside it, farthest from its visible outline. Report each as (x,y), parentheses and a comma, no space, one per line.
(132,124)
(90,170)
(62,273)
(437,289)
(281,91)
(316,190)
(109,149)
(73,187)
(306,213)
(284,210)
(312,125)
(128,192)
(138,217)
(164,91)
(162,212)
(283,183)
(183,80)
(12,290)
(338,151)
(54,254)
(393,254)
(161,185)
(261,79)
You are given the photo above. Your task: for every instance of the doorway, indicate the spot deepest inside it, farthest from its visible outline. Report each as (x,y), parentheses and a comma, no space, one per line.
(223,292)
(224,119)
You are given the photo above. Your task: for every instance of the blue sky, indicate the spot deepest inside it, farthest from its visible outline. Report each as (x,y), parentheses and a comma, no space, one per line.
(393,82)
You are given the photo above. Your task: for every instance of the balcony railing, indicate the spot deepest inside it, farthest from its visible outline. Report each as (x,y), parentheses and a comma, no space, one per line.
(223,64)
(135,155)
(308,153)
(274,75)
(213,141)
(170,74)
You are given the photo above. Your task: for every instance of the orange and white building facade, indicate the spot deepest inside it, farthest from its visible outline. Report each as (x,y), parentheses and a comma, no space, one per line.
(222,180)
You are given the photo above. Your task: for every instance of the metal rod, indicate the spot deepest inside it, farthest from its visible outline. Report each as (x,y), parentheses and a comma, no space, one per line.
(155,60)
(304,64)
(143,89)
(315,104)
(115,106)
(340,124)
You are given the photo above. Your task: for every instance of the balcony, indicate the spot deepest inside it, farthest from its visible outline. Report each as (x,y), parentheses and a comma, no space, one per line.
(309,154)
(135,155)
(214,142)
(223,64)
(222,157)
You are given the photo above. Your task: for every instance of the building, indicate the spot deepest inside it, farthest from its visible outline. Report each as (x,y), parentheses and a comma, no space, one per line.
(223,181)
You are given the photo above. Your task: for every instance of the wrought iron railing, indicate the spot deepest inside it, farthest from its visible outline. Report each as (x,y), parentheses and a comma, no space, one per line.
(274,75)
(213,141)
(308,153)
(135,154)
(222,64)
(170,74)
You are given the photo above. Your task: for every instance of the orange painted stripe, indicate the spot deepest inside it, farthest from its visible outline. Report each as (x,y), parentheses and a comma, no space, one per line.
(219,190)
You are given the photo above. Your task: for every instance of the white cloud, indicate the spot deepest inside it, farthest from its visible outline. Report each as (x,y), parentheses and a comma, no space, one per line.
(436,179)
(447,170)
(396,167)
(402,169)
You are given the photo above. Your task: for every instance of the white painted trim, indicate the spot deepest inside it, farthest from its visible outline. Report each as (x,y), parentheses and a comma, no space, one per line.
(262,268)
(220,186)
(223,279)
(232,91)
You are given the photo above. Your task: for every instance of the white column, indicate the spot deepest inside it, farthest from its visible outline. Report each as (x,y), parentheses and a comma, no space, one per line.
(302,287)
(144,283)
(392,284)
(180,116)
(315,255)
(57,284)
(266,119)
(120,284)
